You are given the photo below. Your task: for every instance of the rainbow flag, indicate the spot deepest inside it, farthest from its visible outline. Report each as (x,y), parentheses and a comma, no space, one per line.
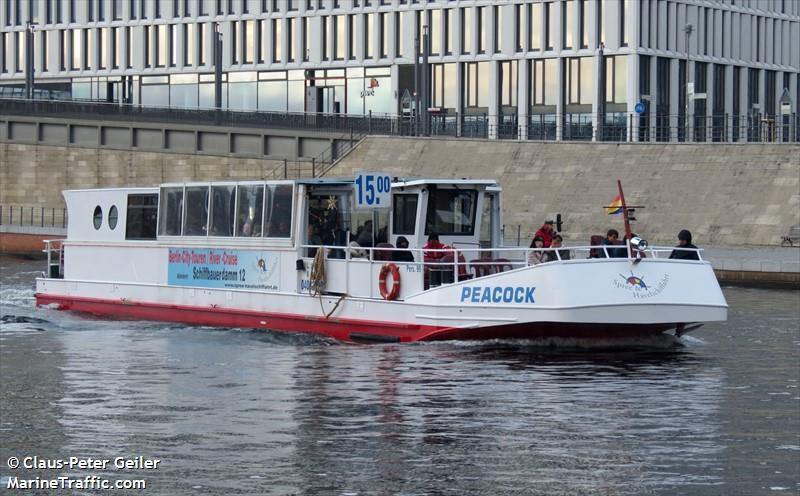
(615,207)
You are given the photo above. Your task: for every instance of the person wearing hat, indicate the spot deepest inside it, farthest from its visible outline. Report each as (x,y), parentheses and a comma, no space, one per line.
(546,232)
(685,242)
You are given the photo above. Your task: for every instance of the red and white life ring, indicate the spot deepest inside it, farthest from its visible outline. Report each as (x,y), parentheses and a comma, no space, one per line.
(386,269)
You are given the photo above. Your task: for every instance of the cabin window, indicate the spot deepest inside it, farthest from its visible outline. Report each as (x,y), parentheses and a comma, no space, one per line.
(170,211)
(98,217)
(251,206)
(404,210)
(141,217)
(196,219)
(112,217)
(451,212)
(279,211)
(222,198)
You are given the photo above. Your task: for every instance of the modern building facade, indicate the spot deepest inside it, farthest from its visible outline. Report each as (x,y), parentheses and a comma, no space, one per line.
(538,69)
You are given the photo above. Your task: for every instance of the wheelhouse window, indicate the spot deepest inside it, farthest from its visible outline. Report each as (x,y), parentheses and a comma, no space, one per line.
(451,212)
(141,217)
(222,205)
(278,215)
(404,210)
(196,219)
(170,211)
(251,207)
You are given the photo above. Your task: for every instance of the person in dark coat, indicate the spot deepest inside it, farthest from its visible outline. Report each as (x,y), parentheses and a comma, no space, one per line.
(402,254)
(612,239)
(685,241)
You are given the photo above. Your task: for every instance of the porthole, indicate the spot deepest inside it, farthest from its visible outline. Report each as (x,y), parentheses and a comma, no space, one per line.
(98,217)
(112,217)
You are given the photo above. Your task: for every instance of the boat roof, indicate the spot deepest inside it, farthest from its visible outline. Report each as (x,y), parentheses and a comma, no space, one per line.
(398,182)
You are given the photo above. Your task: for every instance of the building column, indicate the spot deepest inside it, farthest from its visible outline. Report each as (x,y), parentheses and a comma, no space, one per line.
(522,98)
(728,102)
(632,97)
(494,98)
(675,99)
(561,97)
(744,111)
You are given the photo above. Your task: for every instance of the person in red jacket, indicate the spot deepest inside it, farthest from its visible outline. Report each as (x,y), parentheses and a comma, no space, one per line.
(547,231)
(434,244)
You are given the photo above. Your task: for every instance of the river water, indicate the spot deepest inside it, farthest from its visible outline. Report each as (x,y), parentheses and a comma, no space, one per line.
(234,411)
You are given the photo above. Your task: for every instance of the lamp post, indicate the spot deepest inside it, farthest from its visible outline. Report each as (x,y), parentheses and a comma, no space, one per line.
(29,61)
(687,29)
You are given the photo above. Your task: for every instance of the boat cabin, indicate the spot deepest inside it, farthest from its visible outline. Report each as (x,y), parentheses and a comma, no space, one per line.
(285,220)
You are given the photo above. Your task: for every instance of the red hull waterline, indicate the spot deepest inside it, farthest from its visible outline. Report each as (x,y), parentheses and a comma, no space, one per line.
(346,329)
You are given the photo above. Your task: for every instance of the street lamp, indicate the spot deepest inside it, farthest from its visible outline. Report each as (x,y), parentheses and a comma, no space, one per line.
(687,29)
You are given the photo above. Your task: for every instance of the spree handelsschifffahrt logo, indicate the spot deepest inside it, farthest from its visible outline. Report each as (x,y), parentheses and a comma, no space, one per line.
(637,286)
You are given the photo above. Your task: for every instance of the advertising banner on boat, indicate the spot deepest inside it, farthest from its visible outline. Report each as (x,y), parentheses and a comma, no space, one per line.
(224,269)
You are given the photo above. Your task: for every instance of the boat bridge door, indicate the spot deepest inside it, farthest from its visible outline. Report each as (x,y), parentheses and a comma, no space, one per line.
(491,220)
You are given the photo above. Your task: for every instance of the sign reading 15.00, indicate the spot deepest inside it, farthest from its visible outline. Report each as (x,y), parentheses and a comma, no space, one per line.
(373,190)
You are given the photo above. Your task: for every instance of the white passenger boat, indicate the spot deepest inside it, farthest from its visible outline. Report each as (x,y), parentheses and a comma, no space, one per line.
(277,255)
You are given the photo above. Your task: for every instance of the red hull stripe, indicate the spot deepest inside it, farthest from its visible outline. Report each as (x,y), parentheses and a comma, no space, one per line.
(345,329)
(226,317)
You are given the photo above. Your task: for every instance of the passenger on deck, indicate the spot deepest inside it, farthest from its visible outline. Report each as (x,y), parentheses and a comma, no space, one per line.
(356,251)
(402,254)
(313,239)
(557,243)
(546,232)
(537,257)
(364,236)
(612,239)
(434,244)
(685,241)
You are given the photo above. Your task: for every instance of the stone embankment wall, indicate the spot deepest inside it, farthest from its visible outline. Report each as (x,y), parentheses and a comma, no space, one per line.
(730,194)
(35,175)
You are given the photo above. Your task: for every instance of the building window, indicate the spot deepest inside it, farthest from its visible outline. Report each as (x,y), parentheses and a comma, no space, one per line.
(161,45)
(466,30)
(399,17)
(306,39)
(534,26)
(476,85)
(600,6)
(497,22)
(449,28)
(384,30)
(550,32)
(481,29)
(624,8)
(188,44)
(584,33)
(276,40)
(325,30)
(173,45)
(62,49)
(518,28)
(75,49)
(248,41)
(545,82)
(351,36)
(102,46)
(616,79)
(579,81)
(508,84)
(434,31)
(568,22)
(290,38)
(368,36)
(202,29)
(128,48)
(5,50)
(444,83)
(339,35)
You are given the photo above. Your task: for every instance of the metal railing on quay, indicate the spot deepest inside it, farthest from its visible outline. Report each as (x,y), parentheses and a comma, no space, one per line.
(568,126)
(33,216)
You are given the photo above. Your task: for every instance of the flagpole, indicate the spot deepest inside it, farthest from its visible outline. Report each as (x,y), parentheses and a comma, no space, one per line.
(625,215)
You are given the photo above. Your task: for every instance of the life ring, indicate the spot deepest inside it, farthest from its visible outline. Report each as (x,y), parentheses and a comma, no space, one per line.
(389,295)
